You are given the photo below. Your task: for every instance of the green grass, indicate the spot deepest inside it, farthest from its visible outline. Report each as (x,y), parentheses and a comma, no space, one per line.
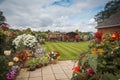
(68,50)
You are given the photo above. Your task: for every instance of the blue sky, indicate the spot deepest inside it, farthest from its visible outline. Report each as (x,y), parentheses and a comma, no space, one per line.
(54,15)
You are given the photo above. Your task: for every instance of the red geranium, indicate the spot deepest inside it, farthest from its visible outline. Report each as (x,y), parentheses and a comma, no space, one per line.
(76,68)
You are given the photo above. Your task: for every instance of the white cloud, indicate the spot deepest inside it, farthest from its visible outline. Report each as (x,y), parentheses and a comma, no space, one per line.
(42,15)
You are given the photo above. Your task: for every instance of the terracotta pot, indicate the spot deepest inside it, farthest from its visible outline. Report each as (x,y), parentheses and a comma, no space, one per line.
(39,65)
(54,61)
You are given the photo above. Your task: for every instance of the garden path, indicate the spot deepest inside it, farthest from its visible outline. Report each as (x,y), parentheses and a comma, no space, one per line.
(60,71)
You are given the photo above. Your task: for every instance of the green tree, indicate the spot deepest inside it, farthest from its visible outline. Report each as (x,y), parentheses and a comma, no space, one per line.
(2,18)
(110,8)
(28,31)
(44,35)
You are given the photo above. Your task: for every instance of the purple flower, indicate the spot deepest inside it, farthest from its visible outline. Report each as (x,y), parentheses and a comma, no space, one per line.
(11,74)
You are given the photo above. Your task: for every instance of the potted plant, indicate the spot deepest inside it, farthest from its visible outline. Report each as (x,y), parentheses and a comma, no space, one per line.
(44,60)
(32,64)
(53,56)
(39,60)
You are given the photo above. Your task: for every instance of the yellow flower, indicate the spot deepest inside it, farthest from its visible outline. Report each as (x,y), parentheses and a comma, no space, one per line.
(16,59)
(100,51)
(7,52)
(94,51)
(11,63)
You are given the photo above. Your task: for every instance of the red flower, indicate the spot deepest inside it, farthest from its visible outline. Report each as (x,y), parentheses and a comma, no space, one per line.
(11,33)
(4,27)
(114,36)
(98,35)
(90,71)
(76,69)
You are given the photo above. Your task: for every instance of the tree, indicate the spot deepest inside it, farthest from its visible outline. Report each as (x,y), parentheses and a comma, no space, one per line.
(110,8)
(2,18)
(44,35)
(28,31)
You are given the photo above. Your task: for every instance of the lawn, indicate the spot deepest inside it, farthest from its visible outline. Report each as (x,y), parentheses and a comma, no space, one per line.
(68,50)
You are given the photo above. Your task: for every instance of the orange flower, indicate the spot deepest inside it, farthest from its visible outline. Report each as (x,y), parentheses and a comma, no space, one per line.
(22,55)
(24,51)
(100,51)
(94,51)
(58,52)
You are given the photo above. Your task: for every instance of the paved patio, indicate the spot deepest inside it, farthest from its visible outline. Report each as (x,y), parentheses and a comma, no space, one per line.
(60,71)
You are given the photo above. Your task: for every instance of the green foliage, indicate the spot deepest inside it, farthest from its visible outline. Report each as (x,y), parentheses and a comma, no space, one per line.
(28,31)
(104,76)
(2,41)
(38,60)
(91,60)
(4,68)
(110,8)
(44,35)
(44,60)
(33,62)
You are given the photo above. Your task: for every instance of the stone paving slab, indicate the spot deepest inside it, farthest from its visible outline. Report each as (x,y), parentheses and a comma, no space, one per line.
(60,71)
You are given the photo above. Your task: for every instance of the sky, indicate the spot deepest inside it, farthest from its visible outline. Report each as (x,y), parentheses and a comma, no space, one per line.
(53,15)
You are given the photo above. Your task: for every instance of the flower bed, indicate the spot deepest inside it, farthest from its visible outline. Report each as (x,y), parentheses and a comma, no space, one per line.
(101,62)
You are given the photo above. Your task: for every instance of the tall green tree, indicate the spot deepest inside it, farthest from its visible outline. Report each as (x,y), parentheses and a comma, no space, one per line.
(110,8)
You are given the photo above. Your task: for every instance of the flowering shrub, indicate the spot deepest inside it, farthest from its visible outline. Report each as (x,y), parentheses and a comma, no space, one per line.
(24,40)
(101,62)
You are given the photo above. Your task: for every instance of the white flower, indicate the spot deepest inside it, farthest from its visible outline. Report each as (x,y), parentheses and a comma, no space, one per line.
(26,39)
(7,52)
(11,63)
(15,59)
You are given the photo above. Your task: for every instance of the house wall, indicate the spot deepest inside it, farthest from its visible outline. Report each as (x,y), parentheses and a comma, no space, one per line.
(110,29)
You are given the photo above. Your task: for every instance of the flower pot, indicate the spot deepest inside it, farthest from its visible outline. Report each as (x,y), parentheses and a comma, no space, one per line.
(54,61)
(32,68)
(39,66)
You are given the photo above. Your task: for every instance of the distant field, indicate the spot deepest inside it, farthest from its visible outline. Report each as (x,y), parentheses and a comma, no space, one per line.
(68,50)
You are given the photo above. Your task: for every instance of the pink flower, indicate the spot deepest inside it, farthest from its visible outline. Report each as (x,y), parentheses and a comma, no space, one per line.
(11,33)
(90,71)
